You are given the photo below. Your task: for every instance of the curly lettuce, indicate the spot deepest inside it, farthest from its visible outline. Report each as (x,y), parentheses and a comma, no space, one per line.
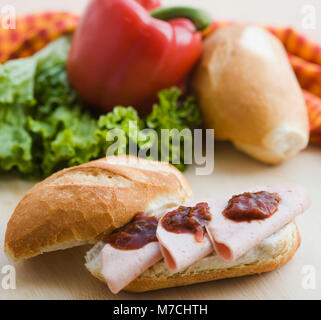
(174,111)
(44,126)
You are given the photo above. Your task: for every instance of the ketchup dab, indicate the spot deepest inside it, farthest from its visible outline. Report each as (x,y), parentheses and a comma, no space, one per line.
(135,234)
(188,220)
(252,206)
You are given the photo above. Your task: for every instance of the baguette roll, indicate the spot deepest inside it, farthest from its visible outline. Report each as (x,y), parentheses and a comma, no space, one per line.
(249,94)
(79,205)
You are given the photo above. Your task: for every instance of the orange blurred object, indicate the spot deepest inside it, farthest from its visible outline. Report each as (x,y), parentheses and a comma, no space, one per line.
(33,32)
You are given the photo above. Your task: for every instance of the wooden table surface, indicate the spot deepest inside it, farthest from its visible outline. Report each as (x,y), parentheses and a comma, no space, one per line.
(62,275)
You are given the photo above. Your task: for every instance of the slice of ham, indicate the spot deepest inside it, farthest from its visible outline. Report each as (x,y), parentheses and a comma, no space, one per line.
(180,250)
(120,267)
(232,239)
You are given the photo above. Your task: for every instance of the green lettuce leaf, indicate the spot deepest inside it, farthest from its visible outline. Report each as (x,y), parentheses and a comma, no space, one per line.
(125,123)
(17,81)
(43,124)
(15,140)
(173,111)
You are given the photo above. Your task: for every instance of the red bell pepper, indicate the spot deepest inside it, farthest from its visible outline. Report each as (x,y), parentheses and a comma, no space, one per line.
(121,54)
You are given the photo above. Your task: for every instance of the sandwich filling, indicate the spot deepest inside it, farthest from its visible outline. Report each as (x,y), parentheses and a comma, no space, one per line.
(183,236)
(188,234)
(129,251)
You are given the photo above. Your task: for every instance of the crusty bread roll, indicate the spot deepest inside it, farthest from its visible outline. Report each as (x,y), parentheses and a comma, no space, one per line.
(78,205)
(272,253)
(249,94)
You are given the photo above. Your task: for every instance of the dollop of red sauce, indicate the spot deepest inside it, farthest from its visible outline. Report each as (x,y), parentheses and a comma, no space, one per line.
(135,234)
(252,206)
(188,220)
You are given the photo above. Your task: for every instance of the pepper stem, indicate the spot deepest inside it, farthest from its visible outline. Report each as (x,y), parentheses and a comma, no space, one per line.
(200,18)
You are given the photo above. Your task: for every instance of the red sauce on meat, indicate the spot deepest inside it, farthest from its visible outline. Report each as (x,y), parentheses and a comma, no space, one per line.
(252,206)
(188,220)
(135,234)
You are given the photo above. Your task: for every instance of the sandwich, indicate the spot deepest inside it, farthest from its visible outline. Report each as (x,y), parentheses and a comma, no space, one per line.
(148,232)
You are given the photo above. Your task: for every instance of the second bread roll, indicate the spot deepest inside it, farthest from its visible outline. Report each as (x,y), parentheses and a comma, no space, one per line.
(249,94)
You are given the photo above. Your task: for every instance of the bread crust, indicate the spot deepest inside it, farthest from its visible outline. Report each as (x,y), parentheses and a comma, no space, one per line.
(250,95)
(143,283)
(78,205)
